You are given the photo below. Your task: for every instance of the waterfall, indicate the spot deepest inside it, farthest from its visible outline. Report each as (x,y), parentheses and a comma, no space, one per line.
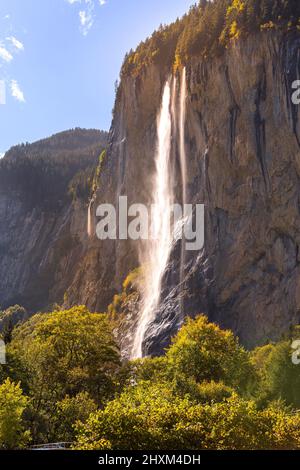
(183,91)
(89,219)
(156,255)
(183,165)
(174,107)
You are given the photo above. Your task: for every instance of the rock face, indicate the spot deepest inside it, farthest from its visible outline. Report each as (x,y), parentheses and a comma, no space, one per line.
(242,143)
(43,232)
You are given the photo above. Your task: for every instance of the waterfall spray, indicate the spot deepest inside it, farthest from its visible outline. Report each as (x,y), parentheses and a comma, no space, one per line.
(155,257)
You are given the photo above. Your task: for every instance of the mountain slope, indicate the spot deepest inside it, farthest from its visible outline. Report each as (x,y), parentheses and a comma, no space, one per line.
(43,227)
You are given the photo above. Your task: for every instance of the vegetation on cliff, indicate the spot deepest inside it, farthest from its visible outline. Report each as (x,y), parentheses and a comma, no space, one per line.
(65,381)
(208,29)
(48,171)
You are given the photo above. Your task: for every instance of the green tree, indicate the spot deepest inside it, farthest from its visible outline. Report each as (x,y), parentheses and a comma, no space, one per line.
(68,412)
(9,318)
(12,406)
(149,416)
(204,352)
(66,352)
(279,377)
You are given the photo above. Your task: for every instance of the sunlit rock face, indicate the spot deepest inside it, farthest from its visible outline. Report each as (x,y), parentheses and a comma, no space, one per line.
(241,143)
(242,151)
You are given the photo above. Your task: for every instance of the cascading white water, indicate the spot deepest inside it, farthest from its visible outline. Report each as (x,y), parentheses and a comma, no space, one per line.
(183,165)
(89,219)
(183,95)
(174,106)
(155,257)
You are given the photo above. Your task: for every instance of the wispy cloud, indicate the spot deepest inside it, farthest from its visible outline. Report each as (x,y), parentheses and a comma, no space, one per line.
(86,13)
(16,43)
(5,54)
(2,154)
(10,46)
(86,21)
(16,91)
(87,17)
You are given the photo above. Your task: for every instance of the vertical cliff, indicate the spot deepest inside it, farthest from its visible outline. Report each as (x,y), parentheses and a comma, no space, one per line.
(242,145)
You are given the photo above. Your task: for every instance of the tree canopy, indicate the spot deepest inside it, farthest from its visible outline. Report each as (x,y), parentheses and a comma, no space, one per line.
(65,381)
(208,29)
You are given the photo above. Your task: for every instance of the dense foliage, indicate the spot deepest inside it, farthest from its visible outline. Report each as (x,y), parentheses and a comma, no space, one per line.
(63,360)
(12,406)
(65,381)
(151,417)
(209,28)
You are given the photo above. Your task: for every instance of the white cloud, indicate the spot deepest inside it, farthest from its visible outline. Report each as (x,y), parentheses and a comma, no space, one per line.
(16,91)
(16,43)
(86,21)
(5,54)
(87,17)
(2,154)
(87,13)
(6,17)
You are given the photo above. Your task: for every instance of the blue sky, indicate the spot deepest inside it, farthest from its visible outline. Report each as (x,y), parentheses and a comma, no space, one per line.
(60,59)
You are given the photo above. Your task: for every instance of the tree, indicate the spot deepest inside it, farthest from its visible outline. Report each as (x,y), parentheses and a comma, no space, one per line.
(149,416)
(204,352)
(12,406)
(66,352)
(145,416)
(69,411)
(9,318)
(279,377)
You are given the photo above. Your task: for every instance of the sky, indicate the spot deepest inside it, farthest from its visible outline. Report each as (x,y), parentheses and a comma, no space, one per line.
(59,60)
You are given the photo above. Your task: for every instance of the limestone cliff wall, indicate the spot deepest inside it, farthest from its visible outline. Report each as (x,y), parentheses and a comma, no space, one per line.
(242,140)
